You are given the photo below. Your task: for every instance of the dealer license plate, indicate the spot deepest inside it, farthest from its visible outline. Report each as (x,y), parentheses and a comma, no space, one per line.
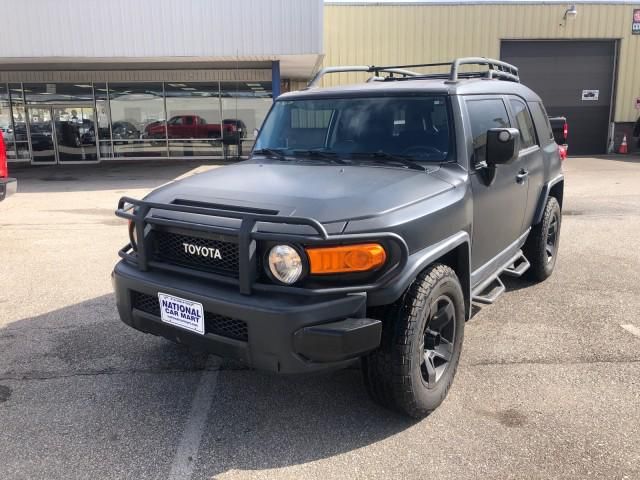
(182,313)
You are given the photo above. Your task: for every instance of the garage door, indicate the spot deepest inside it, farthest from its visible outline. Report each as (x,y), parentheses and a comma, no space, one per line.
(574,79)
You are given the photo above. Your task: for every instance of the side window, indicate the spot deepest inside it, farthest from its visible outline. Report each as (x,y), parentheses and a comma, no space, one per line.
(188,120)
(524,123)
(485,114)
(541,119)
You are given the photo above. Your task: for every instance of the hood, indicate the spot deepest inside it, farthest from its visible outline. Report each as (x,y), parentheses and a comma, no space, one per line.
(328,193)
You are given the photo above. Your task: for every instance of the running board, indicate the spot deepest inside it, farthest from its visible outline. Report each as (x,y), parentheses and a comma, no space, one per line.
(518,267)
(488,291)
(490,295)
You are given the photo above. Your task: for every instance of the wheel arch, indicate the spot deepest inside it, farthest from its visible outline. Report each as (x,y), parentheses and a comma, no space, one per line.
(454,251)
(458,259)
(554,188)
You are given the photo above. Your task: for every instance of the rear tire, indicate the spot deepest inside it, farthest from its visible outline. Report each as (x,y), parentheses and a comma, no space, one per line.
(413,369)
(541,248)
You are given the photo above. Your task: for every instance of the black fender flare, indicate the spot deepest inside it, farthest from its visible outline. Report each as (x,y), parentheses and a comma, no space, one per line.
(544,194)
(418,261)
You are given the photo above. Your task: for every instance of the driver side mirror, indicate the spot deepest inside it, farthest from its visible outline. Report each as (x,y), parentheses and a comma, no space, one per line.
(503,145)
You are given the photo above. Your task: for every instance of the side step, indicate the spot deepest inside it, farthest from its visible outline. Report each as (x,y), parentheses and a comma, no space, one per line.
(490,295)
(518,267)
(488,291)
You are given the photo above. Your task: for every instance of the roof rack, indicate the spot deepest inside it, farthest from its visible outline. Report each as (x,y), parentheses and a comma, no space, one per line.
(362,68)
(496,69)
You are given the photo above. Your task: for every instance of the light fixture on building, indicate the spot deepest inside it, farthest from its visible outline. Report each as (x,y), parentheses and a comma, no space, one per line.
(572,11)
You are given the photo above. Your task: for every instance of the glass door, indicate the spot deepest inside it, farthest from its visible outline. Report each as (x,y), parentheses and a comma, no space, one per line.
(75,134)
(41,135)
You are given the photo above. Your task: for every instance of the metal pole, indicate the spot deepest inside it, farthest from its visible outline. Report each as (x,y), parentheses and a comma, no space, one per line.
(13,125)
(275,79)
(109,119)
(95,121)
(166,127)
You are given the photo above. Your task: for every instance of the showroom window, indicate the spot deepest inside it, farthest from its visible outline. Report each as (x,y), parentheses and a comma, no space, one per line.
(85,121)
(138,123)
(103,121)
(194,119)
(244,106)
(6,122)
(19,122)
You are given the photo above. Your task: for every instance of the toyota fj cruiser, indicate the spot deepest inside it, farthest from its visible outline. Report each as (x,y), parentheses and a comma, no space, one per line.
(367,220)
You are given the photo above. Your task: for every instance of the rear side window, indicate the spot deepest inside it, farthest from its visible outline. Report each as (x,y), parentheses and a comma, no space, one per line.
(485,114)
(524,123)
(543,126)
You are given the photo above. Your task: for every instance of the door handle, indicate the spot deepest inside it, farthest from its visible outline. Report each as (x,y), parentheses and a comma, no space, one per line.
(522,176)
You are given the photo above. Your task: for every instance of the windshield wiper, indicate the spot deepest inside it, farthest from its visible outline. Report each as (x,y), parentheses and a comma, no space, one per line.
(385,158)
(269,152)
(333,156)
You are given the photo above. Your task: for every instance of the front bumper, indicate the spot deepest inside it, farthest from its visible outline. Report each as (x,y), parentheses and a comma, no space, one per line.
(285,334)
(8,186)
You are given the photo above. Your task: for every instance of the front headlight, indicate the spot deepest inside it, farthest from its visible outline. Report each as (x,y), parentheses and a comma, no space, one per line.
(285,264)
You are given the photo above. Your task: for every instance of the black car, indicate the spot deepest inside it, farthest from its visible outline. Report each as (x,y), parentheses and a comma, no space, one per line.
(365,223)
(123,131)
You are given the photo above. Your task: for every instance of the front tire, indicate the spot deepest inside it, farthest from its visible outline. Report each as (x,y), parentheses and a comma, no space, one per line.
(541,248)
(413,369)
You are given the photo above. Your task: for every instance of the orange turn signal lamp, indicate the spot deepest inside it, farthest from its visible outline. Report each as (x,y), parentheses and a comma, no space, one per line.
(346,258)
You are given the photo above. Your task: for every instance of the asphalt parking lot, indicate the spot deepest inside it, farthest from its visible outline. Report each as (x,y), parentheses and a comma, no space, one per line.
(548,386)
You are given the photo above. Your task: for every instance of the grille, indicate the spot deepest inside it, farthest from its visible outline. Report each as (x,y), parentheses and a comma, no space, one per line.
(169,248)
(213,323)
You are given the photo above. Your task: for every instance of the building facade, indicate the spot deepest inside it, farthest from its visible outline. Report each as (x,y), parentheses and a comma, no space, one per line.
(147,79)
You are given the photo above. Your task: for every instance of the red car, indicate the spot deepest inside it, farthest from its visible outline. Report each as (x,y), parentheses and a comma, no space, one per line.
(8,186)
(560,129)
(194,126)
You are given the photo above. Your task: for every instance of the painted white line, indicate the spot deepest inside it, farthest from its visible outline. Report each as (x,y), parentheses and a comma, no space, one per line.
(632,329)
(185,459)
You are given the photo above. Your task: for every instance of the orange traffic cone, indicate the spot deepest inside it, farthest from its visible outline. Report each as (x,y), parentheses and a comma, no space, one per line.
(624,148)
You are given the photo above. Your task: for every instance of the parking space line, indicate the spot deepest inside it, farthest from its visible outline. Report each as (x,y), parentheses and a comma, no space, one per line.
(185,459)
(632,329)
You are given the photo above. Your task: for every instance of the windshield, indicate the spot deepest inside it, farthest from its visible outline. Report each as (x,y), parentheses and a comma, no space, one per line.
(415,127)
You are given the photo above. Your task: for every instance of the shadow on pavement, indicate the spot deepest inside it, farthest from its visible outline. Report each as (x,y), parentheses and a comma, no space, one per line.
(514,284)
(256,421)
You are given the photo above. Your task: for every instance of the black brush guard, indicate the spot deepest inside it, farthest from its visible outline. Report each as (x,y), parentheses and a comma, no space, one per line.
(140,212)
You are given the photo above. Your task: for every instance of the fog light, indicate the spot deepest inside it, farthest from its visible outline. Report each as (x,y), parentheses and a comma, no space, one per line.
(285,264)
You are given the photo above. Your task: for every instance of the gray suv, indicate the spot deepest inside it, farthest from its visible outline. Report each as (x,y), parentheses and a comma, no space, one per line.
(365,223)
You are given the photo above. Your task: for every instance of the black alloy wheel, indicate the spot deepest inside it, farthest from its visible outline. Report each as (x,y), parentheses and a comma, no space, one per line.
(439,334)
(552,237)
